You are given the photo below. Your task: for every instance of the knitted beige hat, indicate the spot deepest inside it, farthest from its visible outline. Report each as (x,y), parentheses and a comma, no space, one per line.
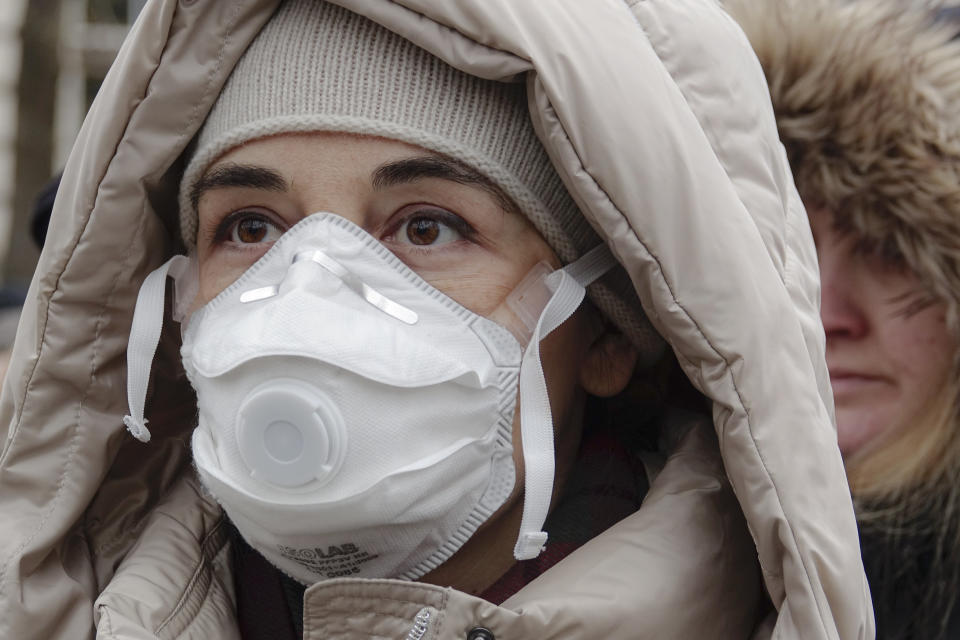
(318,67)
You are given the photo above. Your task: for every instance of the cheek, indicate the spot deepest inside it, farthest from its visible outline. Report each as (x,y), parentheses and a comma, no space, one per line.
(483,282)
(215,276)
(922,347)
(561,354)
(482,292)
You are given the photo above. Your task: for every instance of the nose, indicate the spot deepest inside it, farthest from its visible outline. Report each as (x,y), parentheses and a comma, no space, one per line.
(842,315)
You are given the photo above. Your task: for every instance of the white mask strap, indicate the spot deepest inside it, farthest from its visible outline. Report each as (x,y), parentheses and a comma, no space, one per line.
(144,338)
(536,419)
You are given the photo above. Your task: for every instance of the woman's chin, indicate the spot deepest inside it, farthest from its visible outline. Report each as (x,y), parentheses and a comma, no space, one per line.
(857,432)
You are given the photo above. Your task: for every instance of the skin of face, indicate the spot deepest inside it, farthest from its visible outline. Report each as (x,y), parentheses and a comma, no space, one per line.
(887,363)
(446,223)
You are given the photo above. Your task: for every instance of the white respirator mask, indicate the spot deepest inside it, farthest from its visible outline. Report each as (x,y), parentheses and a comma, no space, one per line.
(354,420)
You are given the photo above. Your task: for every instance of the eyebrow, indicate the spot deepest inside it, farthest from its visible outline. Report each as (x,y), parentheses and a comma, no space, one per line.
(409,170)
(237,175)
(389,174)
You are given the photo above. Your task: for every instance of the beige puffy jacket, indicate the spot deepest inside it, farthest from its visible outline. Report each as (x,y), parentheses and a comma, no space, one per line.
(656,115)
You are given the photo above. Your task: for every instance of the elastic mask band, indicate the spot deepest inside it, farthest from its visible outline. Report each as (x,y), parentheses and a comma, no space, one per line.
(536,420)
(145,336)
(529,298)
(527,302)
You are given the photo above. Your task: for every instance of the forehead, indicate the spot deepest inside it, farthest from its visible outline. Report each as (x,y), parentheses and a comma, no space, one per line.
(373,161)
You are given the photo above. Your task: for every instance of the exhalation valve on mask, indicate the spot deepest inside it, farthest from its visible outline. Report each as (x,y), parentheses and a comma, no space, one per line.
(313,440)
(289,434)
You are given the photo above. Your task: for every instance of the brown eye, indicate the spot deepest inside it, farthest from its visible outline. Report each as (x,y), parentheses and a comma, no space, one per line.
(430,227)
(252,229)
(423,231)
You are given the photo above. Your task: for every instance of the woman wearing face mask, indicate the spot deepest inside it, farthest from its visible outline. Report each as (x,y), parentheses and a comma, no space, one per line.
(866,100)
(394,405)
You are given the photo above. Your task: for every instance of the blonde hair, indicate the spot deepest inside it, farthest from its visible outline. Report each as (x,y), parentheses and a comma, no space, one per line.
(906,494)
(914,456)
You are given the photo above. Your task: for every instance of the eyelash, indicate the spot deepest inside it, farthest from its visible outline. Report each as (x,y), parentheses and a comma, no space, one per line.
(221,234)
(223,230)
(452,220)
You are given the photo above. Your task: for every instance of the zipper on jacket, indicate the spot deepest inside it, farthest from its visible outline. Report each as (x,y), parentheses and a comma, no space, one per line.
(421,623)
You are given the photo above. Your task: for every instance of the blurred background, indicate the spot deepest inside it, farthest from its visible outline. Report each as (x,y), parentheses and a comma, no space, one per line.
(53,57)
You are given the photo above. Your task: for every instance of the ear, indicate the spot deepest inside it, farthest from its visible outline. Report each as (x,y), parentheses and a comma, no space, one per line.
(608,364)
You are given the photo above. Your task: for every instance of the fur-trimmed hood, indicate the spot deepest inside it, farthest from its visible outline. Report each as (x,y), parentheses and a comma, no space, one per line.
(867,101)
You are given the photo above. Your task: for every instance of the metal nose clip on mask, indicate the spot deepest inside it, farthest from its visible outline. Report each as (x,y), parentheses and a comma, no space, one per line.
(354,420)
